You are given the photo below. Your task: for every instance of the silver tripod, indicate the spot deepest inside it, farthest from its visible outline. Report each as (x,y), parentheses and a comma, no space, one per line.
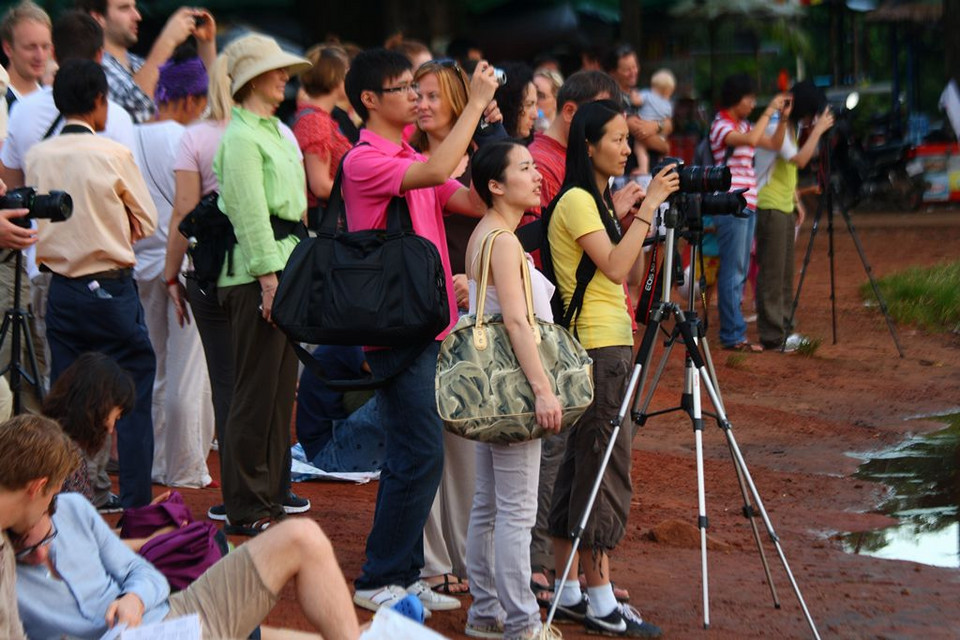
(699,373)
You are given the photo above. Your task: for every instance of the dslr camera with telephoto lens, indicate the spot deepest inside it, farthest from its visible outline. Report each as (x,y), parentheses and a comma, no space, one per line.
(55,206)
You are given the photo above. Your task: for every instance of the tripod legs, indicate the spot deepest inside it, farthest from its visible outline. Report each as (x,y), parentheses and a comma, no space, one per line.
(873,282)
(698,363)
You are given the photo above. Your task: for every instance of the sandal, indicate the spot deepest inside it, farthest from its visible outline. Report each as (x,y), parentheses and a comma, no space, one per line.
(450,580)
(745,347)
(248,528)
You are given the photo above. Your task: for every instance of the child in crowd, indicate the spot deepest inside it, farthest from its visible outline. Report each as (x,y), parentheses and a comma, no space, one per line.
(654,104)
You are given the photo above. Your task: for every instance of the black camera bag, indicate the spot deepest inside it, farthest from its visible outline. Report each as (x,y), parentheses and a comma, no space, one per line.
(211,240)
(376,287)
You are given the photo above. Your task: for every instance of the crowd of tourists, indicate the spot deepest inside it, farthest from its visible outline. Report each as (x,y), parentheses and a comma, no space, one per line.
(147,366)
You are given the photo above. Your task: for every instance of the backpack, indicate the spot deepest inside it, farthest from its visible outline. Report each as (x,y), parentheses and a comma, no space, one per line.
(703,154)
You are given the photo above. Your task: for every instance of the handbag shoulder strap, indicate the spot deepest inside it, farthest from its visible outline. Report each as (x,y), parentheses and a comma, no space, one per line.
(334,216)
(486,253)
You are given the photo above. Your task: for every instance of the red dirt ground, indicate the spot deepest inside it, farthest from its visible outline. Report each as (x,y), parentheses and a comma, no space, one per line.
(795,419)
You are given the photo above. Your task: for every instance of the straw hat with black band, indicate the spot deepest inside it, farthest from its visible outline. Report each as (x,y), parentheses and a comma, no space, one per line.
(253,55)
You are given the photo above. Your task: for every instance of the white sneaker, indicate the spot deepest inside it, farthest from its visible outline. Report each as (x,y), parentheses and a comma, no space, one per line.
(793,341)
(432,600)
(373,599)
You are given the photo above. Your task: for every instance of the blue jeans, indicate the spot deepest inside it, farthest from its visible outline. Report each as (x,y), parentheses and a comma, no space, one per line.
(79,320)
(355,443)
(411,470)
(734,237)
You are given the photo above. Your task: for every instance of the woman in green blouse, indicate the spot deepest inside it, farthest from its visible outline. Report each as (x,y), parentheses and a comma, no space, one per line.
(263,192)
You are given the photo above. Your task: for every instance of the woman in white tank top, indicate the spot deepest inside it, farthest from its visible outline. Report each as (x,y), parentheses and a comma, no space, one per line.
(505,503)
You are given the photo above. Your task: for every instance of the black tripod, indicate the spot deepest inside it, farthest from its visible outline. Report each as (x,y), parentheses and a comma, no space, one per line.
(15,322)
(699,371)
(830,185)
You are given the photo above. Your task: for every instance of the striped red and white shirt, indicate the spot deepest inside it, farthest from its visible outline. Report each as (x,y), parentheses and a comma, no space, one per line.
(741,160)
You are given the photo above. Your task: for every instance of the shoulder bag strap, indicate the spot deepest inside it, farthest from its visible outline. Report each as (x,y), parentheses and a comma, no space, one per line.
(146,165)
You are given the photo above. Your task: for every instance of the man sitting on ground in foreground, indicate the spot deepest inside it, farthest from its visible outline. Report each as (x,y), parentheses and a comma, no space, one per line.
(37,455)
(103,583)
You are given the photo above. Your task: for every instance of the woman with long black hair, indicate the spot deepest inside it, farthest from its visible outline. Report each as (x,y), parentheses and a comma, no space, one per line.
(581,222)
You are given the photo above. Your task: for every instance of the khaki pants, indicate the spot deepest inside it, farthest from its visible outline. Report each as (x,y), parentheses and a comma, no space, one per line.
(229,597)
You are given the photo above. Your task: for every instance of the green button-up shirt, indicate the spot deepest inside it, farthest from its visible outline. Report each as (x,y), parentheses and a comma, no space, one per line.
(260,175)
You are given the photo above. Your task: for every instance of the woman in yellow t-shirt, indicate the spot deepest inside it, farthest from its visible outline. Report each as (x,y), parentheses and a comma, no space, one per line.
(582,220)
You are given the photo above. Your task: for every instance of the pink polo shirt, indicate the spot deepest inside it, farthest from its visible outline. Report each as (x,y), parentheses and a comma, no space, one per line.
(372,175)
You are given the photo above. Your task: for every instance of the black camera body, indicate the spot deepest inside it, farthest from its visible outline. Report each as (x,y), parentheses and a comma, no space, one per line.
(704,191)
(55,206)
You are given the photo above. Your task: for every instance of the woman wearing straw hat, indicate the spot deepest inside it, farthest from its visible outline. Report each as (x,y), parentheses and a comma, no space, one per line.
(263,192)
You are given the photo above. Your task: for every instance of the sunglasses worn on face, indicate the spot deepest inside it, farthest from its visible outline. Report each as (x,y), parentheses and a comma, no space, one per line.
(47,539)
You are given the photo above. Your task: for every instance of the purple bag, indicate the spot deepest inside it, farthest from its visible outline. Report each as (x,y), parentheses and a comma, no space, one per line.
(182,555)
(140,522)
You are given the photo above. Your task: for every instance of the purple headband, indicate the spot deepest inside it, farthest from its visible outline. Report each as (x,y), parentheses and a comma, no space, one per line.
(181,79)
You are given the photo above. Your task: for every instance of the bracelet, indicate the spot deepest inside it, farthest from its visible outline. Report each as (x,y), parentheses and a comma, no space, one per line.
(642,219)
(172,281)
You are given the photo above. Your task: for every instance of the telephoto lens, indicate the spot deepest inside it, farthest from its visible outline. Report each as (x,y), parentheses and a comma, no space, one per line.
(697,179)
(723,204)
(56,206)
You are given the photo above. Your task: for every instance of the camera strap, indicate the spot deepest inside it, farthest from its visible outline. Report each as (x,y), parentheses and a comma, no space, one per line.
(649,294)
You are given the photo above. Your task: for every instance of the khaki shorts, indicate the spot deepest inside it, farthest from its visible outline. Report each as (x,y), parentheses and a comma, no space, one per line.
(586,445)
(230,598)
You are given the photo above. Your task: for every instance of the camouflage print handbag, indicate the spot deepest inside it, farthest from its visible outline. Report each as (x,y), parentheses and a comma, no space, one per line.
(483,394)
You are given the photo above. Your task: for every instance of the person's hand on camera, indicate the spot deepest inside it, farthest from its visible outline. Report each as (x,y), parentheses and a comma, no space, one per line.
(180,26)
(13,236)
(626,200)
(666,182)
(824,121)
(205,27)
(483,84)
(776,104)
(549,411)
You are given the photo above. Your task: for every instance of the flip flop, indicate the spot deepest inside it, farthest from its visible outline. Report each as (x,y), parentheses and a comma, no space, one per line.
(449,580)
(745,347)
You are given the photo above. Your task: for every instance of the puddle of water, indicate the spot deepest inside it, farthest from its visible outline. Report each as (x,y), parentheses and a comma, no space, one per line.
(923,474)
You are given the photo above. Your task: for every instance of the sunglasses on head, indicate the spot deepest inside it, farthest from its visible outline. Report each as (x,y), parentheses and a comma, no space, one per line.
(450,63)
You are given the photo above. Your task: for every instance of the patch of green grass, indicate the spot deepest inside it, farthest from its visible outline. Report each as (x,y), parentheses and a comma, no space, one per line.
(925,296)
(808,346)
(737,361)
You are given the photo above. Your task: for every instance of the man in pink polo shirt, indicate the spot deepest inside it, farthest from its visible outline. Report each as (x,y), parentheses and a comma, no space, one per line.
(381,89)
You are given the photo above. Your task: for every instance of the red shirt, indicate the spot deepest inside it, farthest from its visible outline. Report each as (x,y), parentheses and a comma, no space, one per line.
(317,133)
(551,159)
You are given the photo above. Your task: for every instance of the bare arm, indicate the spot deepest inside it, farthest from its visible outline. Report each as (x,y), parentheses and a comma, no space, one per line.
(466,202)
(179,27)
(444,160)
(506,272)
(824,122)
(617,260)
(752,137)
(318,175)
(186,198)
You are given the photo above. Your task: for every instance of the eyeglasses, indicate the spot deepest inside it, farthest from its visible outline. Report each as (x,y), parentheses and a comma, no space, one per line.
(47,539)
(411,87)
